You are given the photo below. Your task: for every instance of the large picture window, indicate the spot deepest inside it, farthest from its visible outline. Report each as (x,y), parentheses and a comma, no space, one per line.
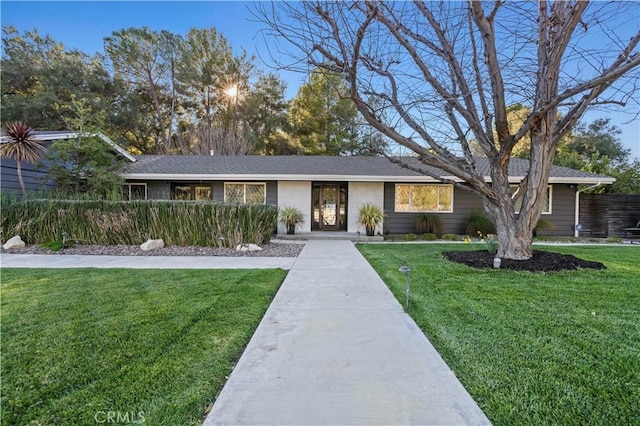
(424,198)
(134,191)
(546,208)
(192,191)
(245,193)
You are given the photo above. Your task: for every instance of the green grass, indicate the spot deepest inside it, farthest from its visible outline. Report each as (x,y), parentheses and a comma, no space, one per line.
(76,343)
(531,348)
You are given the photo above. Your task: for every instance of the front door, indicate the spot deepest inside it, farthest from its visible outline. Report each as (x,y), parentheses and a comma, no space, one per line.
(329,208)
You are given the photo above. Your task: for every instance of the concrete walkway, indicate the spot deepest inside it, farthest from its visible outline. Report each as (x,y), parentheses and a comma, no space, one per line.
(336,348)
(143,262)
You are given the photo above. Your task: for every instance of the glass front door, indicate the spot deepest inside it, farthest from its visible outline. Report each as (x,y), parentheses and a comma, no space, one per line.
(329,207)
(329,204)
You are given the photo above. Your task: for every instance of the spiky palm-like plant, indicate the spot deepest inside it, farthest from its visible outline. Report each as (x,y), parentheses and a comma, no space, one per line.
(21,146)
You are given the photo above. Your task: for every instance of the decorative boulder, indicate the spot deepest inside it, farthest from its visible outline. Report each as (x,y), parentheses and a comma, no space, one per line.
(248,247)
(14,243)
(152,245)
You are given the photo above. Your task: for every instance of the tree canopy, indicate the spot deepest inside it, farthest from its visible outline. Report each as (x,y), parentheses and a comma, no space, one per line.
(177,94)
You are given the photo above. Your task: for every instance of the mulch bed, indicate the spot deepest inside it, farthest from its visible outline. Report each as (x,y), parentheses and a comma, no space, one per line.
(542,261)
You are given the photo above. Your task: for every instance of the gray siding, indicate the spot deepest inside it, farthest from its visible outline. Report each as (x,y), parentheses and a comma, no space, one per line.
(401,222)
(34,178)
(161,190)
(464,202)
(563,200)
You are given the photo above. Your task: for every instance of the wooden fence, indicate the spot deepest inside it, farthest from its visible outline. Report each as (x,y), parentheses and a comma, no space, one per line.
(606,215)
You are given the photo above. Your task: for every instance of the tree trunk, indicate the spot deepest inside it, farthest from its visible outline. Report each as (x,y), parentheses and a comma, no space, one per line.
(19,170)
(514,231)
(514,240)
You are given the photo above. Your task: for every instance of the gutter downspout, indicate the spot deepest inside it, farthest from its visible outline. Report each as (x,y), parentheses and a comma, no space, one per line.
(576,232)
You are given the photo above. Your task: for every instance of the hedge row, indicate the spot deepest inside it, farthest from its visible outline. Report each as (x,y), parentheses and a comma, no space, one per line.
(133,222)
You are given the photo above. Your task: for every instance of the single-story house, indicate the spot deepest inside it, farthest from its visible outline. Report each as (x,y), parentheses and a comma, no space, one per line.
(330,190)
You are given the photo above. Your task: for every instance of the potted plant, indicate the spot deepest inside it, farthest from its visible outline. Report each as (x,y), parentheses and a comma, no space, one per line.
(370,215)
(291,217)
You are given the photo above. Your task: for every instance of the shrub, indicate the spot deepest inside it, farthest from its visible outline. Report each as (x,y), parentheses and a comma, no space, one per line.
(450,237)
(490,242)
(544,225)
(410,237)
(291,217)
(370,215)
(614,240)
(429,237)
(478,223)
(429,223)
(133,222)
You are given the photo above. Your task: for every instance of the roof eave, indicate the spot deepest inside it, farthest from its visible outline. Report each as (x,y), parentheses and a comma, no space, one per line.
(352,178)
(71,135)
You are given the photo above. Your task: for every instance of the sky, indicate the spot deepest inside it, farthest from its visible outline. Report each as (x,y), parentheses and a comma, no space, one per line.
(83,25)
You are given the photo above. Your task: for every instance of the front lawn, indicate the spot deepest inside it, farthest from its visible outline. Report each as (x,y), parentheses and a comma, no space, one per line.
(152,346)
(531,348)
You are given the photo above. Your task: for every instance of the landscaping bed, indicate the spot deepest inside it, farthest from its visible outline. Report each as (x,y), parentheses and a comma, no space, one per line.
(542,261)
(268,250)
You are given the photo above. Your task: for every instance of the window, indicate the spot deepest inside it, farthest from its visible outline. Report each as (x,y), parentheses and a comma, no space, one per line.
(424,198)
(245,193)
(134,191)
(546,208)
(191,191)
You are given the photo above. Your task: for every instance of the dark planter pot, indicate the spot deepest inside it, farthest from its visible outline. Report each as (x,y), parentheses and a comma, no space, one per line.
(370,230)
(291,229)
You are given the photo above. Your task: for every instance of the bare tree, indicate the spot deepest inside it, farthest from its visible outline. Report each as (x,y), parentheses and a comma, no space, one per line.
(217,139)
(433,76)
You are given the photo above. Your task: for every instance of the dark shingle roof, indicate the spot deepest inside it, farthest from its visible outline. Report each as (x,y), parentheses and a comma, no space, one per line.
(301,166)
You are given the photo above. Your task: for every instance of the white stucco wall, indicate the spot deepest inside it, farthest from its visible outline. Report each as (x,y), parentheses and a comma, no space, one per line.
(359,194)
(295,194)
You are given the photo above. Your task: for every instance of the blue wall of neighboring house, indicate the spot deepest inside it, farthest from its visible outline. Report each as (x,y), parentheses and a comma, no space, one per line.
(34,177)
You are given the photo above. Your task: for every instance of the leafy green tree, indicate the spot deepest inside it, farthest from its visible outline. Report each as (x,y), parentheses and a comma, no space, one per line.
(595,148)
(206,55)
(322,117)
(139,56)
(84,165)
(265,111)
(38,72)
(627,179)
(21,146)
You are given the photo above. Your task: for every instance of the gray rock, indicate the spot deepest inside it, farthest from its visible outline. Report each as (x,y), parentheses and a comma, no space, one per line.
(248,247)
(14,243)
(152,245)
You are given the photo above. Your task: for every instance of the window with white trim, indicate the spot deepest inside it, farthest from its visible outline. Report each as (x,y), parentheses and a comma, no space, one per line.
(191,191)
(134,191)
(546,208)
(245,193)
(424,198)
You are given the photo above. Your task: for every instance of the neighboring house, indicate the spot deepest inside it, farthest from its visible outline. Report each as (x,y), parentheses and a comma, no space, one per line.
(35,175)
(330,190)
